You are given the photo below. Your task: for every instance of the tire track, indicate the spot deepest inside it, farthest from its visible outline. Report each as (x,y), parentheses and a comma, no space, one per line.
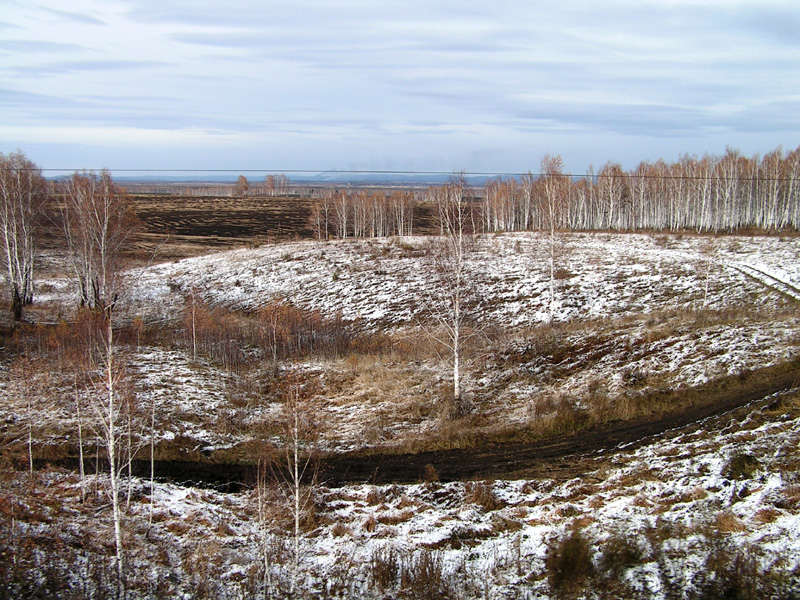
(768,280)
(564,457)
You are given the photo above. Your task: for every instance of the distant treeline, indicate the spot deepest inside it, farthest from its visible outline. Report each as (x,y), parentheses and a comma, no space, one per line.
(713,193)
(270,186)
(345,214)
(709,194)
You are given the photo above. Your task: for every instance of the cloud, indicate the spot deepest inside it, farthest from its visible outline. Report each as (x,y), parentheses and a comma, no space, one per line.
(357,79)
(74,17)
(16,97)
(37,47)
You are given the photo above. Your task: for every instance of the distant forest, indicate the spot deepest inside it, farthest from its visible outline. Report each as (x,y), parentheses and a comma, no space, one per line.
(716,194)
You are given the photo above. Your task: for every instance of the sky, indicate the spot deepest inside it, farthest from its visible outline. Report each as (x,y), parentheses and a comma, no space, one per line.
(415,85)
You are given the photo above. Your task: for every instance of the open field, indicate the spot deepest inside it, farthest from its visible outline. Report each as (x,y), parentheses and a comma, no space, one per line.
(186,226)
(208,222)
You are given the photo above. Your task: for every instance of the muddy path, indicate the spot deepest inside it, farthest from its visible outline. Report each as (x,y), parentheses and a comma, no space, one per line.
(561,458)
(711,407)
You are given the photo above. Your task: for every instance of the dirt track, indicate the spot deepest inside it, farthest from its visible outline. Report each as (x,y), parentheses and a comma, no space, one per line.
(561,458)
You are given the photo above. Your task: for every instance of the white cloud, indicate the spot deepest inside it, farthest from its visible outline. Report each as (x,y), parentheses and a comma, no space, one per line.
(386,77)
(137,137)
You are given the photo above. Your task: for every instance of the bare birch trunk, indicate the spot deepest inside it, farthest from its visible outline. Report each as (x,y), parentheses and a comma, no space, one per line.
(80,443)
(111,439)
(30,437)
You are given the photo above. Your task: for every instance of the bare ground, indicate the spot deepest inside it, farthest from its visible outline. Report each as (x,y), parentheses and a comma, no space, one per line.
(560,458)
(569,456)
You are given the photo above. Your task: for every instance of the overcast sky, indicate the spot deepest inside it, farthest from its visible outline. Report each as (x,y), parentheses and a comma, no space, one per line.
(401,85)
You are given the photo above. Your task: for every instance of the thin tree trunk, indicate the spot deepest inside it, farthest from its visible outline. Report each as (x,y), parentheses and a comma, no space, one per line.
(194,332)
(129,459)
(552,273)
(80,443)
(457,356)
(112,457)
(152,456)
(16,305)
(30,437)
(296,469)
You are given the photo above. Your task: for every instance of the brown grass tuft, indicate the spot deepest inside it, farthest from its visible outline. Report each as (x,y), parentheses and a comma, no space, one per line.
(482,494)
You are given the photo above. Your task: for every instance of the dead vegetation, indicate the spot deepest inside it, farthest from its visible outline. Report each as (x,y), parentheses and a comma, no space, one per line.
(384,391)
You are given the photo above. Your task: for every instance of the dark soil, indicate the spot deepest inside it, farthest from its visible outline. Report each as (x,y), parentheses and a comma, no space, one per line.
(220,218)
(567,456)
(562,458)
(195,225)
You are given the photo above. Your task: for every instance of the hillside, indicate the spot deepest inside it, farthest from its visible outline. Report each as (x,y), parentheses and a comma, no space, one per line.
(639,324)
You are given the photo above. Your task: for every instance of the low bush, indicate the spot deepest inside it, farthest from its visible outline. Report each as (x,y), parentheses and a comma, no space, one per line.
(482,494)
(741,466)
(619,553)
(422,578)
(735,574)
(384,568)
(569,565)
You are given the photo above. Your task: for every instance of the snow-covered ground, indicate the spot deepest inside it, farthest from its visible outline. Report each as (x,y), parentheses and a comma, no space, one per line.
(626,309)
(607,284)
(626,305)
(656,519)
(382,282)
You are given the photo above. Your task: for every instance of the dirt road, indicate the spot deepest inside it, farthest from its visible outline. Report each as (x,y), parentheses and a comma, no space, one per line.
(563,457)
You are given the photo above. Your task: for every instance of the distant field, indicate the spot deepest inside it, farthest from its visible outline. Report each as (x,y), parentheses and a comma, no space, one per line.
(194,224)
(197,224)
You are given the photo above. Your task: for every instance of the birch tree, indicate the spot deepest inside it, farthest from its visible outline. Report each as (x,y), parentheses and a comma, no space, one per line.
(293,465)
(320,218)
(449,308)
(554,185)
(104,398)
(111,412)
(108,408)
(98,222)
(23,191)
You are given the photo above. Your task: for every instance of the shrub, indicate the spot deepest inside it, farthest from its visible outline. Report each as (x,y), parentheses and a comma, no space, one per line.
(741,466)
(384,568)
(733,575)
(618,554)
(482,494)
(370,524)
(569,565)
(430,474)
(421,577)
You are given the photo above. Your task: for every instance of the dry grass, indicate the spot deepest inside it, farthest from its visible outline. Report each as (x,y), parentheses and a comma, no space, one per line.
(370,524)
(340,530)
(693,495)
(481,494)
(422,576)
(766,515)
(504,524)
(569,565)
(727,522)
(790,498)
(395,518)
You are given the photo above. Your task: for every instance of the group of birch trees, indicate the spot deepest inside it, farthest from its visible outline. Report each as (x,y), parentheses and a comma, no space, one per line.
(97,221)
(23,192)
(709,194)
(359,214)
